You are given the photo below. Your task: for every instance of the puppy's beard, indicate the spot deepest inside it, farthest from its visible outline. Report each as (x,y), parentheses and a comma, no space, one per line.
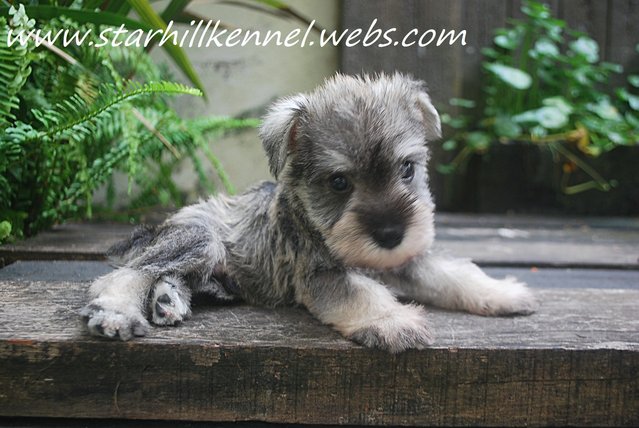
(348,241)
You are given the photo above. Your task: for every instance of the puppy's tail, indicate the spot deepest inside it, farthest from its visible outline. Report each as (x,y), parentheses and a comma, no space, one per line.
(122,252)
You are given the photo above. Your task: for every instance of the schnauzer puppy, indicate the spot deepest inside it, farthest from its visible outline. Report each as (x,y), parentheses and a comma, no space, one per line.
(346,230)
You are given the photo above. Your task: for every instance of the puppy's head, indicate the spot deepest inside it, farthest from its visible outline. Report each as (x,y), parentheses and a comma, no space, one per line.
(354,153)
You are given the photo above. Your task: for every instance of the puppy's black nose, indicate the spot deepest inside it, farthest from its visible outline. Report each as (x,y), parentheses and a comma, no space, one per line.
(388,236)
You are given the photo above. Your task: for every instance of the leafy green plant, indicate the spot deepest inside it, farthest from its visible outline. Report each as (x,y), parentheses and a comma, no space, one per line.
(70,116)
(69,119)
(544,83)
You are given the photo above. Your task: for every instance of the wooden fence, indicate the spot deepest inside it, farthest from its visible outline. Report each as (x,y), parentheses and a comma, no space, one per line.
(455,70)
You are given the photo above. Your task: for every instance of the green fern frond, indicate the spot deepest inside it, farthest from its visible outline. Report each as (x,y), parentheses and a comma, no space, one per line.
(64,134)
(207,125)
(14,70)
(76,119)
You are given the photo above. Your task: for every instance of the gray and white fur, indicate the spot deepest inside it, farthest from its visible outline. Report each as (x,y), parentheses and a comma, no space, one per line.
(345,231)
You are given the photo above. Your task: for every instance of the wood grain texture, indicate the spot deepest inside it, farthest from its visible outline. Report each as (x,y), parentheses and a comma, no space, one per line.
(487,239)
(576,362)
(588,16)
(71,241)
(622,36)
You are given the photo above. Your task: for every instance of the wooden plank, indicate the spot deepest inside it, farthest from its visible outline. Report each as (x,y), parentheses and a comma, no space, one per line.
(569,278)
(462,220)
(534,241)
(55,270)
(576,362)
(487,239)
(622,33)
(70,241)
(440,67)
(84,271)
(454,71)
(360,14)
(480,20)
(123,423)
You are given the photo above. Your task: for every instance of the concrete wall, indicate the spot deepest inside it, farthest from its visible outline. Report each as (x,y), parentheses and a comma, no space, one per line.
(247,79)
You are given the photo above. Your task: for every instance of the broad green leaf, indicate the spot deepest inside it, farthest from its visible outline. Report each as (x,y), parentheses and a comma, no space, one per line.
(490,53)
(507,40)
(277,4)
(536,10)
(554,29)
(586,47)
(592,150)
(515,77)
(449,145)
(611,66)
(478,140)
(538,131)
(633,79)
(460,102)
(548,117)
(633,100)
(617,138)
(174,8)
(622,93)
(551,117)
(506,127)
(453,122)
(445,168)
(596,124)
(526,117)
(581,75)
(546,47)
(5,229)
(148,15)
(632,120)
(114,5)
(560,103)
(604,110)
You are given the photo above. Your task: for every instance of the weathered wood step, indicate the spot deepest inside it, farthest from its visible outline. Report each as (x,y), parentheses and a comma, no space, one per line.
(544,277)
(488,240)
(575,362)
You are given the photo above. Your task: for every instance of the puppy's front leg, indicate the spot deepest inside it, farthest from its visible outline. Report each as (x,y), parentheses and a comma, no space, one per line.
(365,311)
(459,284)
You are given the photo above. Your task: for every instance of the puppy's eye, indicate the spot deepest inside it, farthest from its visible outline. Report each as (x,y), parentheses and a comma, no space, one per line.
(407,171)
(339,183)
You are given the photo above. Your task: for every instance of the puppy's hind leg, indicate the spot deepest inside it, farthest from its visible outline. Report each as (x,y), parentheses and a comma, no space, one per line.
(117,307)
(170,301)
(155,276)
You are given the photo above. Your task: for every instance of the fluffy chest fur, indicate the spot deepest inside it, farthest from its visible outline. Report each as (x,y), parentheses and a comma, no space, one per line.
(268,247)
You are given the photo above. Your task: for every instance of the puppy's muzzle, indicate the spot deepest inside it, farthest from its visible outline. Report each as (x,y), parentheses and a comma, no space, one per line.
(388,236)
(386,228)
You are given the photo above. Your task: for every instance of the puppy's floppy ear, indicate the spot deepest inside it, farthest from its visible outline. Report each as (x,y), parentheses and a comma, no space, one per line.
(432,123)
(279,130)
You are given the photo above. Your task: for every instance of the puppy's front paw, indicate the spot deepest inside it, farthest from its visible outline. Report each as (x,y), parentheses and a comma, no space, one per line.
(170,302)
(402,330)
(507,297)
(113,324)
